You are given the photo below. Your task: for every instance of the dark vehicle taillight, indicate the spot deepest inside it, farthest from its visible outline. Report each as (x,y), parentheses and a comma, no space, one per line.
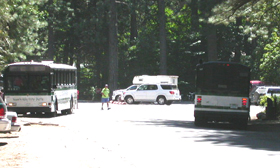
(198,100)
(171,92)
(2,113)
(244,101)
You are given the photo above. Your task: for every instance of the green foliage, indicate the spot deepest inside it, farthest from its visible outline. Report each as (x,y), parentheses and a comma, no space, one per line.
(275,100)
(263,101)
(20,26)
(259,19)
(270,68)
(80,30)
(261,15)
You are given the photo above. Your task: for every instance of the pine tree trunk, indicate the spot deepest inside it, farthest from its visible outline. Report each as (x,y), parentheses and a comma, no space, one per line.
(113,44)
(162,37)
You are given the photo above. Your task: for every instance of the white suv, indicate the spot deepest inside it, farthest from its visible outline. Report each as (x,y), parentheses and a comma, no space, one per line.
(118,94)
(160,93)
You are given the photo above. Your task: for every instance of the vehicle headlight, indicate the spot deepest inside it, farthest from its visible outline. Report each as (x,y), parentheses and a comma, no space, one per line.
(11,104)
(44,104)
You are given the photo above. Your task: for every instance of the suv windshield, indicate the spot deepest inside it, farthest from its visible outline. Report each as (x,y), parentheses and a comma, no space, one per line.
(134,87)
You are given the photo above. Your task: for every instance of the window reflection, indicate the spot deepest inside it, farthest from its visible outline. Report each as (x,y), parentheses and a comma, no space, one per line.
(24,83)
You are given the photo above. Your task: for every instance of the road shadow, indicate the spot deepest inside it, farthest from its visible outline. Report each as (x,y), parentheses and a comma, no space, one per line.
(9,137)
(152,103)
(3,143)
(259,136)
(40,115)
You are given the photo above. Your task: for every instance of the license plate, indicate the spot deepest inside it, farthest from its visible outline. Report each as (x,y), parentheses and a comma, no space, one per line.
(233,106)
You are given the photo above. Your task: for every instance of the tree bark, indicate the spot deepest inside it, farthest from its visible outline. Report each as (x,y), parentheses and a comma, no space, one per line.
(113,43)
(212,43)
(133,22)
(50,31)
(238,40)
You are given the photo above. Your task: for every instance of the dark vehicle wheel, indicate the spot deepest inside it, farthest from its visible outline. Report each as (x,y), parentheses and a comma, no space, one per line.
(63,112)
(199,121)
(117,98)
(129,100)
(161,100)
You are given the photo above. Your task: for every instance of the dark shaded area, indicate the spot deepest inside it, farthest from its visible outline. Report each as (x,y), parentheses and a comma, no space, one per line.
(3,143)
(258,136)
(41,115)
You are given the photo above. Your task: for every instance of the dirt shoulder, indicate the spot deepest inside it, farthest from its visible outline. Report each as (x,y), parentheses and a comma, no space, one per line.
(18,149)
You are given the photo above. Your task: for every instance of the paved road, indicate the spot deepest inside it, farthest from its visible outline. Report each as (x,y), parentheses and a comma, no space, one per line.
(147,136)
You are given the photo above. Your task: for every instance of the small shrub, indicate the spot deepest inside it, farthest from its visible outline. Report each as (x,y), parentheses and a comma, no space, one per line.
(275,100)
(263,101)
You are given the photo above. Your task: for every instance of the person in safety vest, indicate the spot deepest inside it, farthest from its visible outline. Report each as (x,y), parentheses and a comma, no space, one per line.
(105,96)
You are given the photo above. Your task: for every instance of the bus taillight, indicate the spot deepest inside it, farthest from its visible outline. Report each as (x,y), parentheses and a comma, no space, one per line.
(198,99)
(244,101)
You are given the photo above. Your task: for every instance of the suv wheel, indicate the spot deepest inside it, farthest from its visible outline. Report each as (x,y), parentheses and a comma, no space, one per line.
(161,100)
(117,98)
(129,100)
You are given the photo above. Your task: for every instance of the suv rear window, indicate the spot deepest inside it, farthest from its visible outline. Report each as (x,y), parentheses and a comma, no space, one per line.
(169,87)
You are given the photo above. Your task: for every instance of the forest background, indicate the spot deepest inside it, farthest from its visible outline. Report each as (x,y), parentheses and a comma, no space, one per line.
(112,41)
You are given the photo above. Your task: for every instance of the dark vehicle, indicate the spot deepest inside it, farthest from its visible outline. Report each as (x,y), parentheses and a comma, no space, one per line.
(222,93)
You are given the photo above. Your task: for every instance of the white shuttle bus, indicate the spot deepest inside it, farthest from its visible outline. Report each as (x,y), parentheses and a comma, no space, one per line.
(40,87)
(222,93)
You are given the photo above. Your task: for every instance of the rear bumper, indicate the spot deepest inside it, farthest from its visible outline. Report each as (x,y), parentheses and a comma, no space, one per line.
(24,110)
(5,125)
(174,98)
(221,116)
(15,127)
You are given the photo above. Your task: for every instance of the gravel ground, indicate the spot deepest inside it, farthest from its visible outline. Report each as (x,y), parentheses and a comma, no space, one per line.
(48,146)
(18,149)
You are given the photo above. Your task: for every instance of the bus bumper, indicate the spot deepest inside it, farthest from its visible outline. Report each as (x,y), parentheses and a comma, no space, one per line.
(221,116)
(24,110)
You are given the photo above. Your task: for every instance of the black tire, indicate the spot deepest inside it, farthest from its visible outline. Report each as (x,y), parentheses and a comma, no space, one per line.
(161,100)
(199,121)
(129,100)
(63,112)
(71,109)
(117,98)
